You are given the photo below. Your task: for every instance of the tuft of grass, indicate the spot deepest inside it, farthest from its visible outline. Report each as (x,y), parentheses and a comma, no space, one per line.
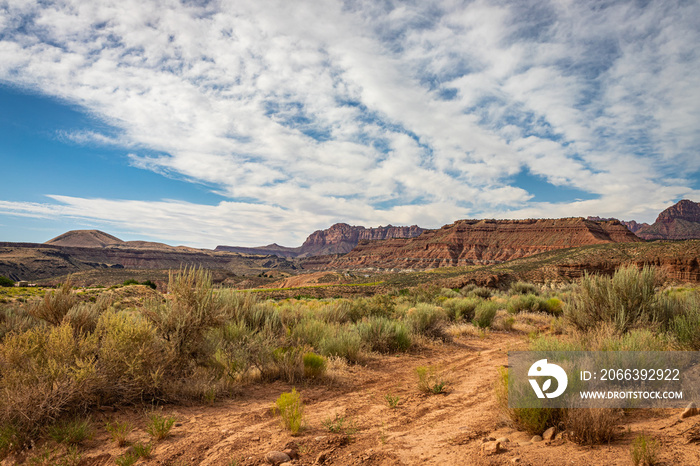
(11,440)
(291,409)
(591,426)
(430,380)
(127,459)
(144,451)
(159,426)
(119,431)
(72,431)
(340,425)
(392,400)
(644,451)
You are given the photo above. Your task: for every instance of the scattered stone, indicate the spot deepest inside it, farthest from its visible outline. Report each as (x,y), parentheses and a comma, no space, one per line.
(321,458)
(524,444)
(256,439)
(516,460)
(503,440)
(492,439)
(491,448)
(560,436)
(292,453)
(178,424)
(275,458)
(549,434)
(536,438)
(318,439)
(690,410)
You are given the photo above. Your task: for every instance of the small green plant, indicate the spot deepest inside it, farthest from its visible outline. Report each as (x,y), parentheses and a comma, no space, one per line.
(485,313)
(291,409)
(141,450)
(341,425)
(644,451)
(392,400)
(72,431)
(430,380)
(314,365)
(119,431)
(10,440)
(128,459)
(159,426)
(73,457)
(130,281)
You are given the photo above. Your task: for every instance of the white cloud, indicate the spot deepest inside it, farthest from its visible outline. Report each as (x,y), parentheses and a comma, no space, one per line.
(368,112)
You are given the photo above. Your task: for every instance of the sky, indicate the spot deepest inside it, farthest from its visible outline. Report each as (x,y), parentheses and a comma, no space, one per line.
(248,122)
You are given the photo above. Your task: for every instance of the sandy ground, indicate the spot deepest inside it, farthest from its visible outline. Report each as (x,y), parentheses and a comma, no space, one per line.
(442,429)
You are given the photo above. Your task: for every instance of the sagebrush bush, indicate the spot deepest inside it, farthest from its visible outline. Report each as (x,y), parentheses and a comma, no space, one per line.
(55,304)
(343,341)
(523,288)
(484,314)
(427,319)
(458,309)
(314,365)
(289,362)
(627,299)
(384,335)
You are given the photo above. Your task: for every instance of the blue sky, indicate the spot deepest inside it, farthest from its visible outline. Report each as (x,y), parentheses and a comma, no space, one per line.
(246,122)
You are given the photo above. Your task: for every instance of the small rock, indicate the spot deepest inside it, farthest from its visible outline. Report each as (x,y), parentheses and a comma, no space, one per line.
(288,463)
(690,410)
(255,439)
(491,448)
(318,439)
(492,439)
(178,424)
(524,444)
(536,438)
(516,460)
(560,436)
(275,458)
(549,433)
(321,458)
(503,440)
(292,453)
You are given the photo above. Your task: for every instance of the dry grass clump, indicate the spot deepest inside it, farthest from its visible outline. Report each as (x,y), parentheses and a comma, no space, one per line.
(591,426)
(55,304)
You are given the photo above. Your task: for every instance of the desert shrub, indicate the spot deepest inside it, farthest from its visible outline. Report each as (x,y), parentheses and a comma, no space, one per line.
(190,312)
(384,335)
(46,372)
(480,292)
(159,426)
(554,306)
(71,431)
(460,308)
(55,304)
(6,282)
(130,281)
(532,420)
(628,299)
(685,325)
(314,365)
(523,288)
(431,380)
(11,439)
(240,348)
(644,451)
(291,410)
(309,331)
(449,293)
(380,305)
(17,320)
(83,317)
(591,426)
(119,431)
(635,340)
(343,341)
(131,357)
(427,319)
(484,314)
(141,450)
(289,362)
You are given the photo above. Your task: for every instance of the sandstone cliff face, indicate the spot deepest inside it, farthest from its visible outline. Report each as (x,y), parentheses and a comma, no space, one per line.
(680,221)
(468,242)
(338,239)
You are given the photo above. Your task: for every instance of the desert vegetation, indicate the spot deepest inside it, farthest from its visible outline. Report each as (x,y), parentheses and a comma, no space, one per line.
(64,354)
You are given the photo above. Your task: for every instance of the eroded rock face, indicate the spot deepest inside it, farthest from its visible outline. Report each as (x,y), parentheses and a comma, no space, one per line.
(680,221)
(468,242)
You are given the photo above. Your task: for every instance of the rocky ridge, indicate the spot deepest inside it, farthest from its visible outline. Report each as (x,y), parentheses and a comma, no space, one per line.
(340,238)
(680,221)
(469,242)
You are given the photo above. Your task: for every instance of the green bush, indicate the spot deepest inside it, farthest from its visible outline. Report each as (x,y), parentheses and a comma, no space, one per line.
(130,281)
(6,282)
(628,299)
(427,319)
(314,365)
(460,308)
(523,288)
(480,292)
(343,341)
(484,314)
(291,410)
(384,335)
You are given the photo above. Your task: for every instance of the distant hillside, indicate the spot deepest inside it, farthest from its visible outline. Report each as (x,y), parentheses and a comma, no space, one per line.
(338,239)
(84,239)
(680,221)
(468,242)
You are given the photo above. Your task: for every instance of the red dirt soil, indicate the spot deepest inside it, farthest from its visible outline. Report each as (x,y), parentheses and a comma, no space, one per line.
(441,429)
